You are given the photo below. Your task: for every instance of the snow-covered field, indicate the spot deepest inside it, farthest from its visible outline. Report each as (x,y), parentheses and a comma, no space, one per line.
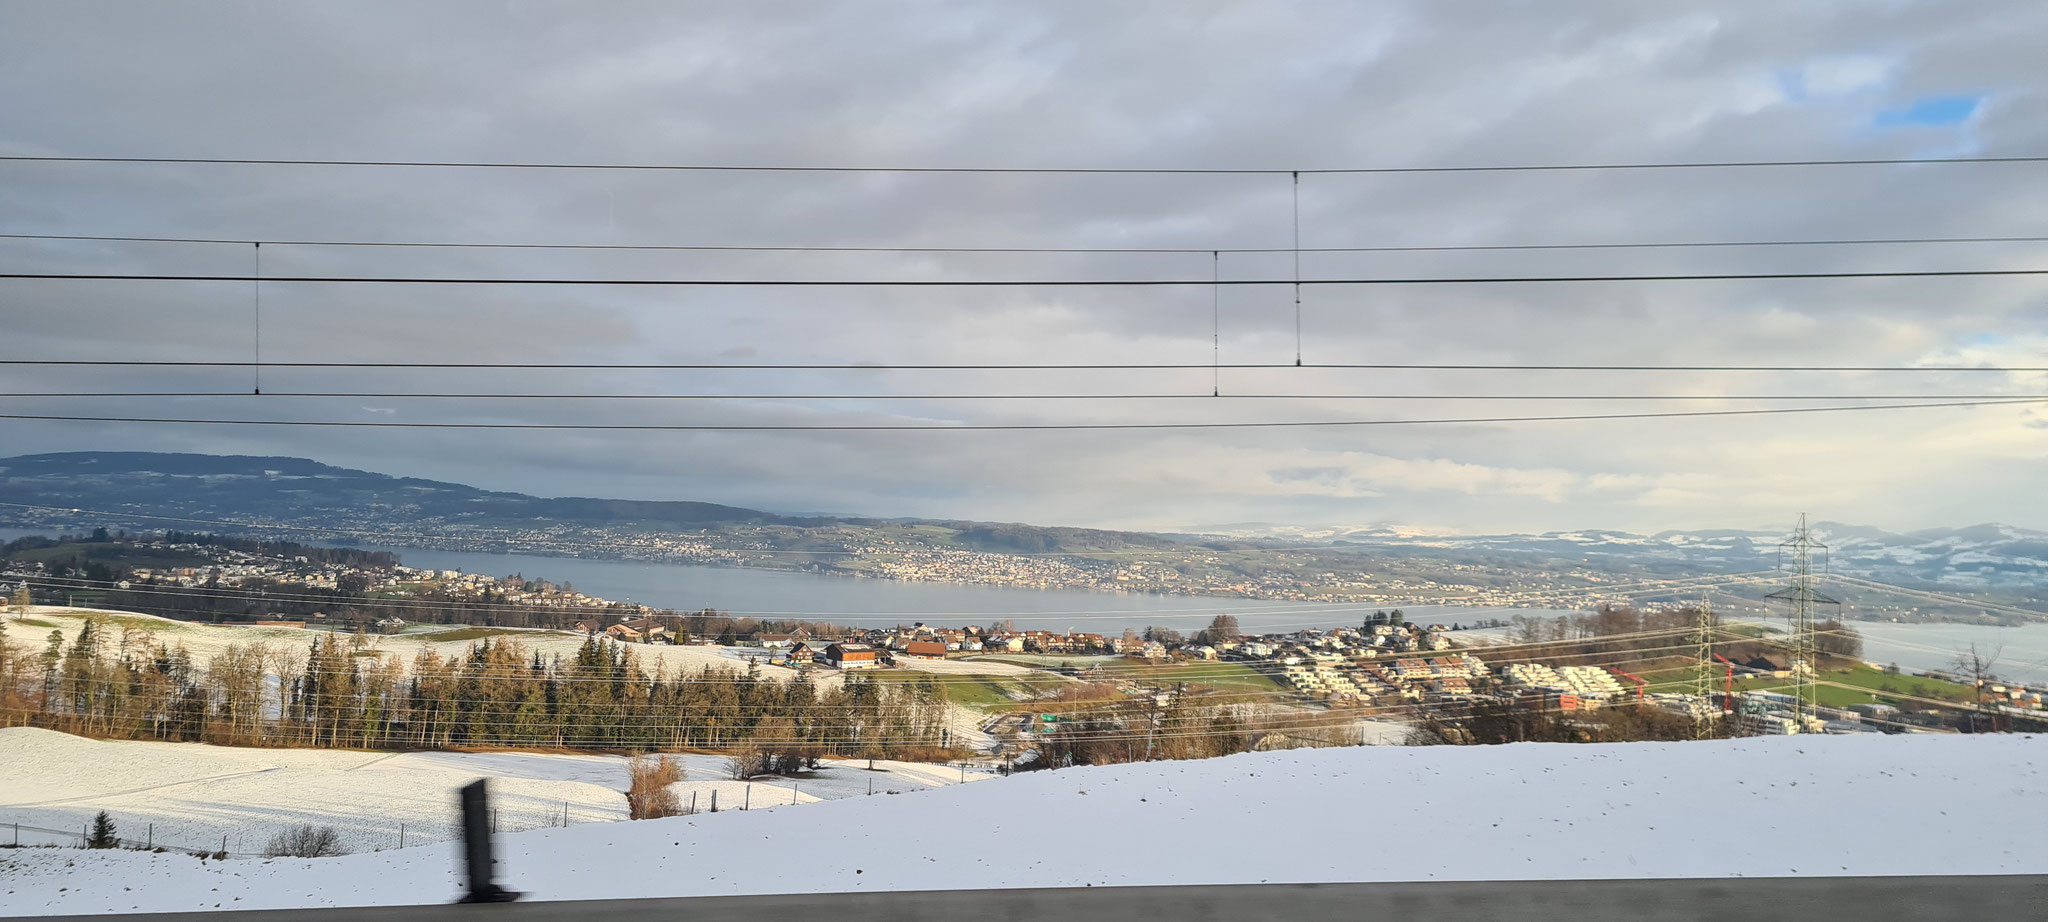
(206,640)
(1787,806)
(195,794)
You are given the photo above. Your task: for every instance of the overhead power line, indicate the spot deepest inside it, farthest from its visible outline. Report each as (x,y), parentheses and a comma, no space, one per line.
(1016,283)
(1022,366)
(722,248)
(372,395)
(990,427)
(1123,171)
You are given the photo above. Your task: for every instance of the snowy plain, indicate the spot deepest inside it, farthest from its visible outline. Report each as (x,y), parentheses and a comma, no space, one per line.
(207,640)
(1787,806)
(193,795)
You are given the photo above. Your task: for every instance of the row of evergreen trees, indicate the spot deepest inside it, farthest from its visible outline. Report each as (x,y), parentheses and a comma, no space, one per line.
(117,681)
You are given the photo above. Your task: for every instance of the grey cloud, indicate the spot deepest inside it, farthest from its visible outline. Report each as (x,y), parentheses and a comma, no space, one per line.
(1185,83)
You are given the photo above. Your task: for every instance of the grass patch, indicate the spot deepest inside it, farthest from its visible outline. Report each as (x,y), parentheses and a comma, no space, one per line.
(1045,659)
(465,633)
(1232,676)
(1868,686)
(31,622)
(980,692)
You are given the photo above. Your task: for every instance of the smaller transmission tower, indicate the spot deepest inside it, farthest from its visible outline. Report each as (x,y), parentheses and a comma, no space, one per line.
(1703,672)
(1804,599)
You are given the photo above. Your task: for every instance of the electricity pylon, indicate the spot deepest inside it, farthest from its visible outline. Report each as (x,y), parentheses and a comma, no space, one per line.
(1803,598)
(1703,672)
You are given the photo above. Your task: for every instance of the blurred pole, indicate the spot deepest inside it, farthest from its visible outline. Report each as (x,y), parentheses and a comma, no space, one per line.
(476,846)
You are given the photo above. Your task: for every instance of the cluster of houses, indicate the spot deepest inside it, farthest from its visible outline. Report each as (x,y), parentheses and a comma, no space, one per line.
(920,640)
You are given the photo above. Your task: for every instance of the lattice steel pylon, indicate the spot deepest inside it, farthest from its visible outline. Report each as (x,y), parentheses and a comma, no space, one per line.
(1803,599)
(1703,672)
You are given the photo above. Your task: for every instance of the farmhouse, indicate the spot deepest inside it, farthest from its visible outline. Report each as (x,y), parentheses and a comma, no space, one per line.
(850,656)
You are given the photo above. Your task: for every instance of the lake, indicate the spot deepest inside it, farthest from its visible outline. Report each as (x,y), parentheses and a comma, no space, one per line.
(883,603)
(2022,652)
(866,602)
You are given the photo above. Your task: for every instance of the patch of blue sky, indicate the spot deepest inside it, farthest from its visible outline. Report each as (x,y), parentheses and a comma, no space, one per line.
(1931,111)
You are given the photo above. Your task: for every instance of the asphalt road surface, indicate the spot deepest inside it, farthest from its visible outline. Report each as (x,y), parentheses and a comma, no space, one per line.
(1804,899)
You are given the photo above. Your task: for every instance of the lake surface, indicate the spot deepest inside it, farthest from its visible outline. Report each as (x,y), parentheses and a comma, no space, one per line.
(2022,651)
(865,602)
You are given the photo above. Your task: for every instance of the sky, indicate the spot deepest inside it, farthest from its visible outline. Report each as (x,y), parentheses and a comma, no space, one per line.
(1261,85)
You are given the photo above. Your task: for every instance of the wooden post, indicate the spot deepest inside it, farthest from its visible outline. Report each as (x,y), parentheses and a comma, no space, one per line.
(401,837)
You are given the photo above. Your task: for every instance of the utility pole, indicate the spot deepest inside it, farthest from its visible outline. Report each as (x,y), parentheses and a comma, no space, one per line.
(1803,598)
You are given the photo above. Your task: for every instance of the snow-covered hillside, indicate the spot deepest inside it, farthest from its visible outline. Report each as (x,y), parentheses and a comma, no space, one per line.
(1790,806)
(1986,556)
(195,794)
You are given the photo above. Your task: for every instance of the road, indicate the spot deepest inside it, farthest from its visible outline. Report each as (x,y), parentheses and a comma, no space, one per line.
(1789,899)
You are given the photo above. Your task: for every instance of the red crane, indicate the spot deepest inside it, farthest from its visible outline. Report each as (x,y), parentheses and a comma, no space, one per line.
(1636,679)
(1728,691)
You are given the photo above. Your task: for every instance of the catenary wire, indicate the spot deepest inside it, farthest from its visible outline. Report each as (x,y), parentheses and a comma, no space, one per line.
(1062,170)
(372,395)
(1008,427)
(1184,251)
(986,366)
(1020,283)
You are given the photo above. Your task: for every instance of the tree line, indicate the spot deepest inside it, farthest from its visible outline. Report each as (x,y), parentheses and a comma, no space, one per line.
(115,680)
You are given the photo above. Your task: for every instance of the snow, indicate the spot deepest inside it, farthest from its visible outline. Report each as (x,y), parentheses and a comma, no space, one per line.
(1788,806)
(194,794)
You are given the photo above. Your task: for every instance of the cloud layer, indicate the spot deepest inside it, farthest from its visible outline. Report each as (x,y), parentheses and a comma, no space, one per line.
(1188,84)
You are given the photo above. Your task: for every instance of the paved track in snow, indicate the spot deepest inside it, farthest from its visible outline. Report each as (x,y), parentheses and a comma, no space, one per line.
(1782,899)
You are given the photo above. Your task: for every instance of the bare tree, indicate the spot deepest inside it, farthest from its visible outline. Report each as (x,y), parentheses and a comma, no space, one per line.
(1977,666)
(745,762)
(648,795)
(305,842)
(1834,638)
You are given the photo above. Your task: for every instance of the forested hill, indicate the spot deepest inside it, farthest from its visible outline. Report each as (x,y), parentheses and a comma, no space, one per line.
(300,491)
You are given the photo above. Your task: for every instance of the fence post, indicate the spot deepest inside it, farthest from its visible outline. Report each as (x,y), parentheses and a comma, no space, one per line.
(747,798)
(401,837)
(223,843)
(693,803)
(792,793)
(476,846)
(714,800)
(150,837)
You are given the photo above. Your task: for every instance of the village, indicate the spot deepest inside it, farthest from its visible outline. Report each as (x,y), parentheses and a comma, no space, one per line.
(1385,662)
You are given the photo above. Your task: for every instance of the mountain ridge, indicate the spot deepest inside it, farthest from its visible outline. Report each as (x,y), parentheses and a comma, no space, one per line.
(299,491)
